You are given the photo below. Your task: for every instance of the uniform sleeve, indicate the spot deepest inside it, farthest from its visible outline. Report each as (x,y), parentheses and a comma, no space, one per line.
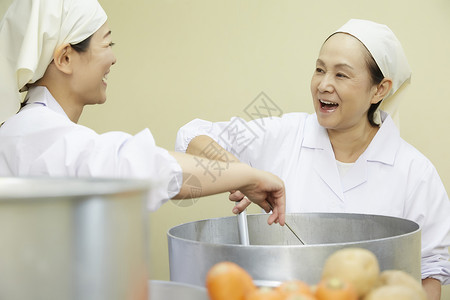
(80,152)
(429,206)
(236,136)
(250,141)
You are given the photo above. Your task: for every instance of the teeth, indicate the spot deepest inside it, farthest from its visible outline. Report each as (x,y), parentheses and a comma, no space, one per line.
(327,102)
(105,78)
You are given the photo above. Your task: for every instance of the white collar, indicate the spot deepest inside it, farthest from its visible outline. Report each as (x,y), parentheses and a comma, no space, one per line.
(40,95)
(382,148)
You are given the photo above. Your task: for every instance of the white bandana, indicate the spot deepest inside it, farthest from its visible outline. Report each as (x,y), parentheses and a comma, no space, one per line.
(389,56)
(30,32)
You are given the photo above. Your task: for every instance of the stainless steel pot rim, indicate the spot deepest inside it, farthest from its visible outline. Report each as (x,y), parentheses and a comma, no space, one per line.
(175,283)
(267,283)
(25,188)
(353,244)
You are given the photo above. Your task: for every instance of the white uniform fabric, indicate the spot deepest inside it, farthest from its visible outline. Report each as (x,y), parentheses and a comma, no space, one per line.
(30,31)
(42,141)
(388,53)
(390,178)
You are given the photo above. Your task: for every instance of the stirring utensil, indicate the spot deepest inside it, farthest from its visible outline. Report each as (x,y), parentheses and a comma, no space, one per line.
(300,240)
(243,227)
(287,225)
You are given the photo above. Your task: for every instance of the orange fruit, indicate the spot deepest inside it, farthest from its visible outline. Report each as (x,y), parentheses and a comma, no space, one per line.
(300,296)
(264,293)
(335,289)
(294,287)
(228,281)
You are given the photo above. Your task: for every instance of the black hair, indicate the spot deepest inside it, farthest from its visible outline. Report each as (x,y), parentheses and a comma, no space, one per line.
(376,77)
(82,46)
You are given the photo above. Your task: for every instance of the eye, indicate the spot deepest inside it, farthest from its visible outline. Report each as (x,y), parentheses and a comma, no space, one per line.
(319,70)
(111,44)
(341,75)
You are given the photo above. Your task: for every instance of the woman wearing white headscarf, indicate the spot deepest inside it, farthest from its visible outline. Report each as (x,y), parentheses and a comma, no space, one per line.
(348,156)
(60,52)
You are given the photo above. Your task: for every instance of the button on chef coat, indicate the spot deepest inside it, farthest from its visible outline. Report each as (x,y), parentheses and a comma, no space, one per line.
(42,141)
(390,178)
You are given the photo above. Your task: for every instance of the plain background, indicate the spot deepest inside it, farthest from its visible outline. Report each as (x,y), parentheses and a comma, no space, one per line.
(185,59)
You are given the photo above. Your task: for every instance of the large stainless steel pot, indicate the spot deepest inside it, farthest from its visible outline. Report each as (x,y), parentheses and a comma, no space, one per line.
(73,239)
(170,290)
(274,254)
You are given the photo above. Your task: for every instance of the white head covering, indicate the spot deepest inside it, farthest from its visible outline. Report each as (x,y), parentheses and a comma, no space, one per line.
(30,32)
(389,56)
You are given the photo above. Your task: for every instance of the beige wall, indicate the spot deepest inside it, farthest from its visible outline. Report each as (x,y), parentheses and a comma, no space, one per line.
(183,59)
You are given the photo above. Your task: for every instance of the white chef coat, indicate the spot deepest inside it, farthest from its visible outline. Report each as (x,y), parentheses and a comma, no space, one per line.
(42,141)
(390,178)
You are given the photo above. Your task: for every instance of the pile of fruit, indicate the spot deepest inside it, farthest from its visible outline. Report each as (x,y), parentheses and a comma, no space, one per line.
(348,274)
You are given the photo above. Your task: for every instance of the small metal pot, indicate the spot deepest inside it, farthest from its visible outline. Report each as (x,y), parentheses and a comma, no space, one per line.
(274,254)
(73,239)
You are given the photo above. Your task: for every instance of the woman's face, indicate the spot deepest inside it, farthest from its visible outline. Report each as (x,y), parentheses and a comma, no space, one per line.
(341,85)
(92,67)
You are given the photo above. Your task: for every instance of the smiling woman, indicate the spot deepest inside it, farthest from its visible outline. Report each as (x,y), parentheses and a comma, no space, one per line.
(361,67)
(344,93)
(348,156)
(342,86)
(61,59)
(77,74)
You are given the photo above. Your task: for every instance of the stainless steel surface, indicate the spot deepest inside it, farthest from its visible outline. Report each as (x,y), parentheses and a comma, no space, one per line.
(274,254)
(243,228)
(73,239)
(169,290)
(290,228)
(293,232)
(267,283)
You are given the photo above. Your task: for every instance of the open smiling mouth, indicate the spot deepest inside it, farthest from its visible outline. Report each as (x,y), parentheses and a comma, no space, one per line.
(328,105)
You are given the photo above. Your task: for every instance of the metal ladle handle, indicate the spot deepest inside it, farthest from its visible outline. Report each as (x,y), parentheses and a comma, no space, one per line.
(243,227)
(289,227)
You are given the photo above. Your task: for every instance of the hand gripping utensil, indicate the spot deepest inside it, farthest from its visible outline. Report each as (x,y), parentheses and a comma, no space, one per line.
(289,227)
(243,227)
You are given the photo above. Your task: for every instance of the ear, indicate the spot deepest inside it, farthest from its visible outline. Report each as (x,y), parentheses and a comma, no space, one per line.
(63,58)
(382,90)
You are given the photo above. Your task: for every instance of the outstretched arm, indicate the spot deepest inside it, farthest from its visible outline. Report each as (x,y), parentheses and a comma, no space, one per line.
(200,146)
(262,188)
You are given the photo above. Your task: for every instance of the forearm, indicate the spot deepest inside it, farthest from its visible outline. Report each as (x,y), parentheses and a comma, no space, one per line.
(211,176)
(205,146)
(432,288)
(207,177)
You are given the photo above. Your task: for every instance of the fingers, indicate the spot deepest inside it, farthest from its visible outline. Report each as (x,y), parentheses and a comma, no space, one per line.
(282,217)
(273,218)
(269,194)
(236,196)
(265,206)
(280,209)
(241,205)
(277,202)
(278,216)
